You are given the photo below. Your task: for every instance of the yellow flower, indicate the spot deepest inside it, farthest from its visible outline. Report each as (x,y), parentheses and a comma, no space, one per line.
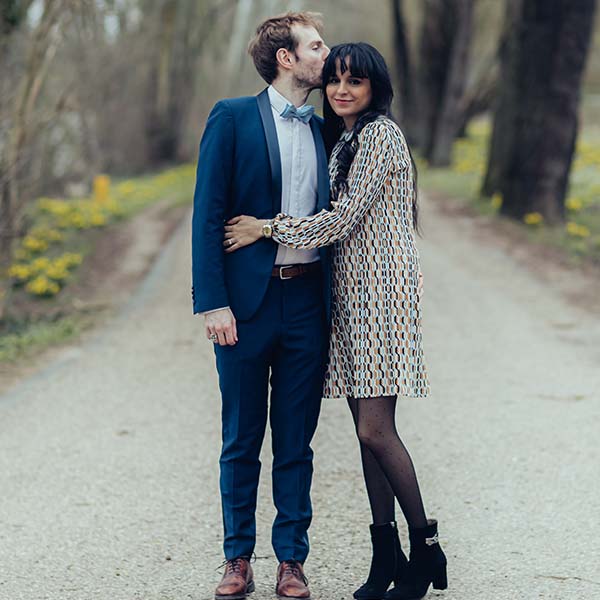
(42,286)
(54,207)
(34,244)
(69,259)
(576,230)
(20,272)
(574,204)
(101,188)
(40,264)
(78,221)
(97,219)
(57,271)
(496,201)
(47,234)
(533,218)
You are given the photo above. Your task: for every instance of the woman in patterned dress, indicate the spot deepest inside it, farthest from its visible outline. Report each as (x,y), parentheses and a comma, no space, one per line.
(375,351)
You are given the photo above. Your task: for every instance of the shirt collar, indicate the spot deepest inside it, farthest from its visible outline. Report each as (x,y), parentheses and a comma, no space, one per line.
(278,102)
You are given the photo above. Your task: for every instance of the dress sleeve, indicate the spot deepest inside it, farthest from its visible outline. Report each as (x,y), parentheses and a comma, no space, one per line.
(380,150)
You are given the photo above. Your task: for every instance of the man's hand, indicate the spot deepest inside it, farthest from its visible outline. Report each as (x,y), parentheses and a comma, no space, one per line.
(222,324)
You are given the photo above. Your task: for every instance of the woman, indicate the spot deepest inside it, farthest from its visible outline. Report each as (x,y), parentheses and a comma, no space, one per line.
(375,349)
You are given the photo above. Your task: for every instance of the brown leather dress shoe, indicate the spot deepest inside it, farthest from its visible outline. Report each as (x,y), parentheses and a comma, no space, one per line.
(237,582)
(291,582)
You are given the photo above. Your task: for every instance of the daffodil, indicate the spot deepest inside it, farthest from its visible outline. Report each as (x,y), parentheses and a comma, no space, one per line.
(57,271)
(533,218)
(34,244)
(42,286)
(20,272)
(40,264)
(577,230)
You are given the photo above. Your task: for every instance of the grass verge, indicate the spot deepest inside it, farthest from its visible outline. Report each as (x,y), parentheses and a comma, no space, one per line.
(52,262)
(579,238)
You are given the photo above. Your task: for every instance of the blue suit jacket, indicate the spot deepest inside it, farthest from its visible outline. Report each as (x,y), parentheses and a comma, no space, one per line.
(239,173)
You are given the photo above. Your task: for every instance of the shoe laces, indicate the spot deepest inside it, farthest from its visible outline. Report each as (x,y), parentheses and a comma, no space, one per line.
(292,567)
(234,565)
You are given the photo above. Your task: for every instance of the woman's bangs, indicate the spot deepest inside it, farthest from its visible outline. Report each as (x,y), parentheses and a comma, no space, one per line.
(351,58)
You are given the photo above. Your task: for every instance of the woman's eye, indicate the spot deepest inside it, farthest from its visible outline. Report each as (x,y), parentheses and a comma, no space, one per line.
(333,80)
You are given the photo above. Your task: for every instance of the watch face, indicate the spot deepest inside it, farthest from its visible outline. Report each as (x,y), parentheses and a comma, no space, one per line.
(267,230)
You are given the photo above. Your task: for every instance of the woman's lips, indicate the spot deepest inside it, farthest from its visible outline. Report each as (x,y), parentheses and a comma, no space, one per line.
(342,101)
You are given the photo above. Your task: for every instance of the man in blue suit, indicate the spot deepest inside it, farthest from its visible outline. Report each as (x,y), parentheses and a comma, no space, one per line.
(266,306)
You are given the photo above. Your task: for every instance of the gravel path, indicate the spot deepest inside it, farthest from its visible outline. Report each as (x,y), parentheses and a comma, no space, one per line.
(108,457)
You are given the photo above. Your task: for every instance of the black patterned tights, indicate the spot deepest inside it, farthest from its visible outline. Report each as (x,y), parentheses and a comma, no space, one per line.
(388,469)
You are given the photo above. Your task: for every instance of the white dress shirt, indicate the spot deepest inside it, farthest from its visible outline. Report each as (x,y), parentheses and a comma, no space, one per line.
(299,184)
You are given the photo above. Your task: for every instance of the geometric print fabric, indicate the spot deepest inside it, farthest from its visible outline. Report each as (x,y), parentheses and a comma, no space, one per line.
(376,342)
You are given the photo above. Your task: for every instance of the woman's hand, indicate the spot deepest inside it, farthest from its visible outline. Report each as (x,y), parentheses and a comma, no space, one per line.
(242,231)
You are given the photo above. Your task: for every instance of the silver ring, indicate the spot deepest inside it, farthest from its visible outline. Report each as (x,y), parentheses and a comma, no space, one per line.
(231,242)
(214,337)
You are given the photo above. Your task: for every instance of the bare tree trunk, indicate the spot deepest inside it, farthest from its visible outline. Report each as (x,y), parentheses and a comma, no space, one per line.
(434,50)
(161,133)
(445,40)
(544,61)
(479,98)
(404,72)
(449,117)
(168,15)
(506,103)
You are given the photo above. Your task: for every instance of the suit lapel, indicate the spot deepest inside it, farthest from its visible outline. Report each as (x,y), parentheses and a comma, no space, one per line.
(322,172)
(266,114)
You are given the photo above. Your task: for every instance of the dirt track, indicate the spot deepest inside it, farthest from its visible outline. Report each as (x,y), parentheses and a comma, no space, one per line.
(109,455)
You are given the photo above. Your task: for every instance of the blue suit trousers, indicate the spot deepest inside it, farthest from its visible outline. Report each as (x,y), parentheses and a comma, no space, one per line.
(285,340)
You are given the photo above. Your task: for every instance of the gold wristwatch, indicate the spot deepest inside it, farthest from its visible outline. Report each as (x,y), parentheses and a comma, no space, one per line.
(267,229)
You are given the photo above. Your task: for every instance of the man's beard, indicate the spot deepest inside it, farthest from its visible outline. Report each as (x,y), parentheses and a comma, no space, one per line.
(304,82)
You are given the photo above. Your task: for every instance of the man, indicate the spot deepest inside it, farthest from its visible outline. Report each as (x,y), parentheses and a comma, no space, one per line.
(265,307)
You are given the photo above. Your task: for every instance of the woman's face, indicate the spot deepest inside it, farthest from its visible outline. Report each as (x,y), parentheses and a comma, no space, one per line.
(348,95)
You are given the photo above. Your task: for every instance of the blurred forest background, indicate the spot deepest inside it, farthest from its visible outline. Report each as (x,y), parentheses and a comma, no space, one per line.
(497,97)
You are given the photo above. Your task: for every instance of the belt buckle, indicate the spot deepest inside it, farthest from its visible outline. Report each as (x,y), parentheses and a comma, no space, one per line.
(281,276)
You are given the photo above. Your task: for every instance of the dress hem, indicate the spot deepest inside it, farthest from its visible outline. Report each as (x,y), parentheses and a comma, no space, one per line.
(399,391)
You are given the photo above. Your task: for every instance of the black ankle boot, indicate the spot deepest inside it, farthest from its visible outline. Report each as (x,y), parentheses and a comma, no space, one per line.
(387,564)
(427,565)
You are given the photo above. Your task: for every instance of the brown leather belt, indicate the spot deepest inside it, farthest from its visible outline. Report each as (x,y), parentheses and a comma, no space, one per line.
(291,271)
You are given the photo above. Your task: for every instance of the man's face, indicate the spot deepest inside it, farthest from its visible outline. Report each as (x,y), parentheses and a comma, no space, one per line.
(310,56)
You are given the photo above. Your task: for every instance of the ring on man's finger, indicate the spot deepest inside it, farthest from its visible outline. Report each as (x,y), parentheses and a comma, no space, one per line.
(231,242)
(213,337)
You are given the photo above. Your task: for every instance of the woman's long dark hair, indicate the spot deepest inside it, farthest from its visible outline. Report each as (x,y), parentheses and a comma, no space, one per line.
(364,61)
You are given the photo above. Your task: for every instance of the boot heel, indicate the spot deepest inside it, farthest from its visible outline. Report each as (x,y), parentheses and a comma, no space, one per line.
(440,580)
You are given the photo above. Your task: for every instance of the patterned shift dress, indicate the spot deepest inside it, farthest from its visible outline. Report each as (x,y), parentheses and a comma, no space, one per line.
(375,345)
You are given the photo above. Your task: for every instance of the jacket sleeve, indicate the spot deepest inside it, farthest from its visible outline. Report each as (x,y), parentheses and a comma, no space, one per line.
(380,150)
(213,181)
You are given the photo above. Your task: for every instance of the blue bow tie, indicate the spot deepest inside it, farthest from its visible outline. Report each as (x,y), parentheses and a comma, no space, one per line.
(304,113)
